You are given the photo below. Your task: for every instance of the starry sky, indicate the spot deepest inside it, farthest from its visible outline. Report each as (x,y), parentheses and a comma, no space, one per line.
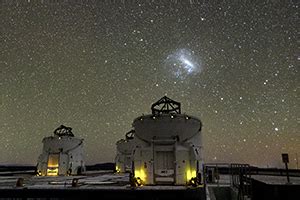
(97,65)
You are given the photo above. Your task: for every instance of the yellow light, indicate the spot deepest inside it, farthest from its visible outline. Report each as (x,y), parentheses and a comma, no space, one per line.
(118,170)
(190,174)
(52,171)
(53,160)
(194,173)
(140,174)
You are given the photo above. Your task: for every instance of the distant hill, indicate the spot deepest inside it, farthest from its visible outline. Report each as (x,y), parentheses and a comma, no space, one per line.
(14,168)
(101,166)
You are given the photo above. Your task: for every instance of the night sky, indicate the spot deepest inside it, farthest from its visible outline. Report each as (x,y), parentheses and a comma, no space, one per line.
(95,66)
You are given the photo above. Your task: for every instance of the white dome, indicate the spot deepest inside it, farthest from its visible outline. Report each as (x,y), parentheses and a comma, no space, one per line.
(61,144)
(166,126)
(125,146)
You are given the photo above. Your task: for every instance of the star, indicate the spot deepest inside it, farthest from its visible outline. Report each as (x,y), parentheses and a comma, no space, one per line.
(96,66)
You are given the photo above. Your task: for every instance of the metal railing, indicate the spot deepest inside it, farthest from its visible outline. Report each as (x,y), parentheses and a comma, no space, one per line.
(241,180)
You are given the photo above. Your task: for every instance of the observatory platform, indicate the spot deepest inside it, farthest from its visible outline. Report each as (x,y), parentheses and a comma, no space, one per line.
(109,185)
(104,184)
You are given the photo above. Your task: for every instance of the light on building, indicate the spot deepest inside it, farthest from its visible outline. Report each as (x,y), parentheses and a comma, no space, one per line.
(140,175)
(118,170)
(190,174)
(52,171)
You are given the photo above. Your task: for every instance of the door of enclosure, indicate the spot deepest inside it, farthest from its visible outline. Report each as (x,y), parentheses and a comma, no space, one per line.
(53,164)
(164,166)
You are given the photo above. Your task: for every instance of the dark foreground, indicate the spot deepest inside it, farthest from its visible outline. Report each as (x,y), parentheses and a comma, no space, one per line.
(234,183)
(195,193)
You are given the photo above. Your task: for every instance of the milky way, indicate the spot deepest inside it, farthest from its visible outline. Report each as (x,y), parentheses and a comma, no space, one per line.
(97,65)
(182,64)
